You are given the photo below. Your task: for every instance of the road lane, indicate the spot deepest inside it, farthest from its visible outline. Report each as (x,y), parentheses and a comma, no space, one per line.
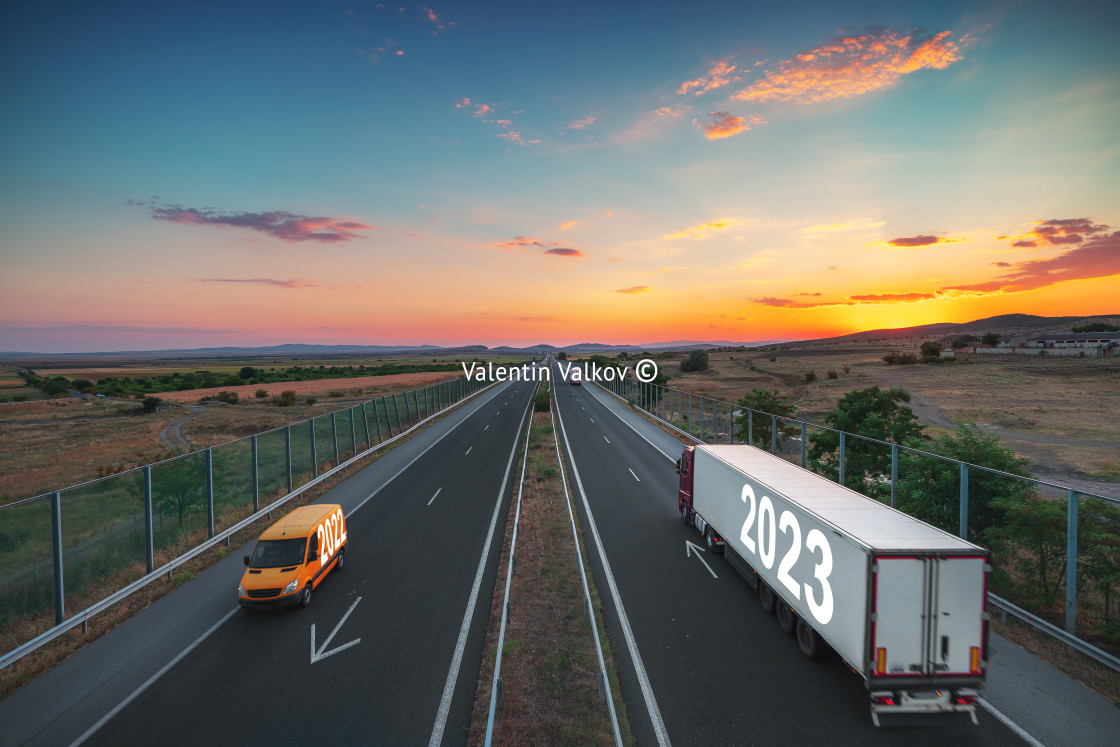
(721,670)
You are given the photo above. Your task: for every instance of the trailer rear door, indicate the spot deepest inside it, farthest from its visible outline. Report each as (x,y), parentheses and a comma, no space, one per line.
(957,635)
(899,637)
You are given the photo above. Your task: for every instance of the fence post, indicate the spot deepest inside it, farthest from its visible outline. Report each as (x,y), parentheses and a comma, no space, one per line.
(149,536)
(773,435)
(690,431)
(365,425)
(334,436)
(802,444)
(750,427)
(56,540)
(353,434)
(256,478)
(894,475)
(731,417)
(397,412)
(210,490)
(287,453)
(1071,563)
(377,419)
(314,450)
(702,420)
(964,501)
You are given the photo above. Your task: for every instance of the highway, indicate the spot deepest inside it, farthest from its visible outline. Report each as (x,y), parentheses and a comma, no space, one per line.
(714,668)
(425,526)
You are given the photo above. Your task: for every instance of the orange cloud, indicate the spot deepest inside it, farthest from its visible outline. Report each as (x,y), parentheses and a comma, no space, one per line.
(719,75)
(569,224)
(482,110)
(462,103)
(290,284)
(519,243)
(1097,258)
(582,124)
(702,230)
(913,241)
(514,136)
(851,66)
(724,124)
(634,290)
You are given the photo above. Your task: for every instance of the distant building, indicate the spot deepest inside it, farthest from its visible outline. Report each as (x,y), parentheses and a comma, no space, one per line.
(1070,344)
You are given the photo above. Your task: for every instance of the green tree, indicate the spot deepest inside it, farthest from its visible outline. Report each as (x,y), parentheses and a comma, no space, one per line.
(764,402)
(247,372)
(1098,542)
(561,356)
(1032,539)
(958,344)
(150,404)
(81,384)
(697,360)
(929,488)
(931,349)
(990,338)
(872,413)
(1096,327)
(179,487)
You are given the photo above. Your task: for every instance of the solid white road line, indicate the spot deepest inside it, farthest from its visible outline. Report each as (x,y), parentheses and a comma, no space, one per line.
(468,450)
(1009,724)
(632,473)
(627,632)
(461,644)
(151,680)
(631,427)
(434,496)
(487,427)
(606,439)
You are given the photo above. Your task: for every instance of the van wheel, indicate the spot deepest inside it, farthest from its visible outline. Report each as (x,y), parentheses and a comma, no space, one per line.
(684,513)
(338,563)
(305,598)
(766,597)
(787,620)
(808,640)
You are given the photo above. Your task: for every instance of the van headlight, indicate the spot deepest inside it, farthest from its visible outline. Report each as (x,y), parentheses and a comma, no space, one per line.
(292,586)
(241,591)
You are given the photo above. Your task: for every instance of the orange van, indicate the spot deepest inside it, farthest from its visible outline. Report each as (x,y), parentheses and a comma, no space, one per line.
(293,556)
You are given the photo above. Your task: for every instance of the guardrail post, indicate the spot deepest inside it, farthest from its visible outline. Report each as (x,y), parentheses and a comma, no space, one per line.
(964,501)
(894,475)
(256,478)
(774,435)
(314,450)
(498,688)
(334,436)
(149,536)
(56,541)
(602,690)
(287,453)
(802,445)
(1071,563)
(842,434)
(210,492)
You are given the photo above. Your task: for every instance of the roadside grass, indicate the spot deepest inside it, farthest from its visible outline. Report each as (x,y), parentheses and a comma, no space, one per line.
(549,665)
(22,630)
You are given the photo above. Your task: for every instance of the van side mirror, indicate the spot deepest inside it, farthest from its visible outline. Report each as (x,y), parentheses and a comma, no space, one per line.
(246,560)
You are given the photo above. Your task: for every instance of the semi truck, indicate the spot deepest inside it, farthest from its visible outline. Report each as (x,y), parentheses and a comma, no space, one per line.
(902,602)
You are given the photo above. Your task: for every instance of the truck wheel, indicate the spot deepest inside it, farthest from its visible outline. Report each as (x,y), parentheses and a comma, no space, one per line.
(766,597)
(710,539)
(305,598)
(787,620)
(808,640)
(684,513)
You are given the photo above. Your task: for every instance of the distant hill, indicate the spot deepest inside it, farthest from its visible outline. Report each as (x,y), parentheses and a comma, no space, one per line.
(1005,325)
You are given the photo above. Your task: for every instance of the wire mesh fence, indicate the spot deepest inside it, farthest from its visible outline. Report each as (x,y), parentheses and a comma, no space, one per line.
(76,547)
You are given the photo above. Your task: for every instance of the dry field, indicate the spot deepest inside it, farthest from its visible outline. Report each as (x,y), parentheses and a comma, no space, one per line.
(1060,414)
(50,444)
(368,386)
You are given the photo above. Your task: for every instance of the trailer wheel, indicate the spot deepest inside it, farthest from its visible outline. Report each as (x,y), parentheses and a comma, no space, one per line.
(808,640)
(710,539)
(787,620)
(766,597)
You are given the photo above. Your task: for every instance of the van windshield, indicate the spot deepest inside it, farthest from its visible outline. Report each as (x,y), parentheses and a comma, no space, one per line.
(278,553)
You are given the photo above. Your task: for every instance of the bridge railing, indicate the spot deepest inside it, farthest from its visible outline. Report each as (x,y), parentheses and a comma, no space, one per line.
(1072,545)
(76,550)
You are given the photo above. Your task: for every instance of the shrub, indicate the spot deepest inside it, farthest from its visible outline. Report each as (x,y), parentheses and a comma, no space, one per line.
(773,358)
(847,368)
(990,338)
(150,404)
(831,373)
(229,397)
(310,400)
(19,398)
(811,375)
(287,398)
(900,359)
(697,360)
(933,349)
(336,393)
(958,344)
(260,394)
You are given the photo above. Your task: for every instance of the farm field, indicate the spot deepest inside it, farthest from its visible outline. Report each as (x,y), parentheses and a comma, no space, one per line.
(1054,412)
(50,444)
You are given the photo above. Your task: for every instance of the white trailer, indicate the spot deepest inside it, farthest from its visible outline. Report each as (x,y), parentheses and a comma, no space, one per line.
(902,602)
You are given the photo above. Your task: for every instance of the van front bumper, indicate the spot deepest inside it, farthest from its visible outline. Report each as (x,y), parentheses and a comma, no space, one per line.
(270,604)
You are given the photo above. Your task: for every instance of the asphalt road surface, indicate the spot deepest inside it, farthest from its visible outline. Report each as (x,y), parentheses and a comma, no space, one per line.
(423,546)
(717,669)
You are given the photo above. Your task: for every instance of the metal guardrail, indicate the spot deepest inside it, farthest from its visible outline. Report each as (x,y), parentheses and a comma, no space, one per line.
(1066,636)
(82,618)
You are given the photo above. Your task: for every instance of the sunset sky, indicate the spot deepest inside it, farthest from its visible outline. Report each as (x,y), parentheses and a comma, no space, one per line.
(177,176)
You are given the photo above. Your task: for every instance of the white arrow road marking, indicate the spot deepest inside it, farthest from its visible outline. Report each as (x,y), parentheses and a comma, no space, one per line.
(606,439)
(434,496)
(689,547)
(322,653)
(632,473)
(468,451)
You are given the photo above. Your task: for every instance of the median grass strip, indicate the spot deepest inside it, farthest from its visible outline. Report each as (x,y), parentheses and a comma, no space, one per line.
(550,691)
